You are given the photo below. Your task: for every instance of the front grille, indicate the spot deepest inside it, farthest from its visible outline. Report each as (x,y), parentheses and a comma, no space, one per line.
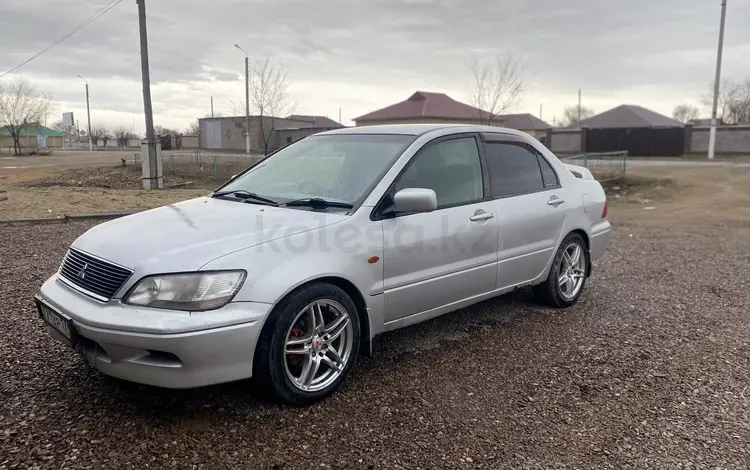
(93,275)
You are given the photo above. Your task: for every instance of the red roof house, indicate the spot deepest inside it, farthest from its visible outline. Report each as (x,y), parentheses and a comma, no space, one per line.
(427,107)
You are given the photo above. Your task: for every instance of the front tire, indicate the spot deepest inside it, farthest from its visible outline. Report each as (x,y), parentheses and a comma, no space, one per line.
(567,275)
(309,344)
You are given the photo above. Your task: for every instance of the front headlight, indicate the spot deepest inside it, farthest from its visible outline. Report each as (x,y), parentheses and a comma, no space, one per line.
(190,292)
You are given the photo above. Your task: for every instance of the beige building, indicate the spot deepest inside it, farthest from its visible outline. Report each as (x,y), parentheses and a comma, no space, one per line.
(228,133)
(29,139)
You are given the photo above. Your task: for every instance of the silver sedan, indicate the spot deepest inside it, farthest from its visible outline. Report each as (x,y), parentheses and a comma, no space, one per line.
(289,270)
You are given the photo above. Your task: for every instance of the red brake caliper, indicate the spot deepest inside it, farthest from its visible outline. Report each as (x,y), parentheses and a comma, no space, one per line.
(295,358)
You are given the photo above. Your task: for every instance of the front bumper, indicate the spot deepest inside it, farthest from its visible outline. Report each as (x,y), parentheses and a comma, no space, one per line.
(157,347)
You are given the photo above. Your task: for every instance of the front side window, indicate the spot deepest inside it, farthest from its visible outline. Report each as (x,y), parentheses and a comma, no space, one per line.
(514,169)
(337,167)
(451,168)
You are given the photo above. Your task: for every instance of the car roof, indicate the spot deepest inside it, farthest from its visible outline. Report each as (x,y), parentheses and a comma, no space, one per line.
(418,129)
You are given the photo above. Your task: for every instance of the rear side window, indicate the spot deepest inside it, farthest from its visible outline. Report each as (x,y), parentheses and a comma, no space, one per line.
(548,174)
(513,169)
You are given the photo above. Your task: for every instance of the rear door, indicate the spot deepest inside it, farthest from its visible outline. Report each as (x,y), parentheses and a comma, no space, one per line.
(530,205)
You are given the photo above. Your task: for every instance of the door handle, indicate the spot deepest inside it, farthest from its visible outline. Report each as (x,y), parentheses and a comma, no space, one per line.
(555,201)
(482,216)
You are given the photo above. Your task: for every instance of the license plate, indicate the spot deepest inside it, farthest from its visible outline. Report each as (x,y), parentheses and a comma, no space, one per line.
(56,320)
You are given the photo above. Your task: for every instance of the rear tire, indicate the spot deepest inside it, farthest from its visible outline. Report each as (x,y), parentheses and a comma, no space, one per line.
(567,275)
(308,345)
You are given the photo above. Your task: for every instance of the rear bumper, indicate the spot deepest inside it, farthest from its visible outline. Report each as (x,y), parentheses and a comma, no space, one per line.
(207,349)
(599,240)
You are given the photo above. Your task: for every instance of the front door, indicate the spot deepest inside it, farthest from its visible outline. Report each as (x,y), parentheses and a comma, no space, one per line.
(530,206)
(438,258)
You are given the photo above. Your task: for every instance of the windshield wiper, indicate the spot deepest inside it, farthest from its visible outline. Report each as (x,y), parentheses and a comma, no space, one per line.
(247,196)
(318,202)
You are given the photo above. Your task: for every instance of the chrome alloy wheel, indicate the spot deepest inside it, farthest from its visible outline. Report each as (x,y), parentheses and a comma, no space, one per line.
(572,271)
(318,345)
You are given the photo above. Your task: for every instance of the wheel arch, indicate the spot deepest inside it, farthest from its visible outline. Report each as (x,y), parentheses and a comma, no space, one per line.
(352,291)
(587,241)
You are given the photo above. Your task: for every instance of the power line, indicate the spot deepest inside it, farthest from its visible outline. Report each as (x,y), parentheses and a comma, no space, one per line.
(85,23)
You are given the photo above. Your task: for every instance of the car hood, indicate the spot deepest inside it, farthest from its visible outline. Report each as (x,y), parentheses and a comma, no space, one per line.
(187,235)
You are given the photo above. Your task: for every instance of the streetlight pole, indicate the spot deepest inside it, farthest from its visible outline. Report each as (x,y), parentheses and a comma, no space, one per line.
(717,79)
(88,113)
(152,174)
(234,108)
(247,99)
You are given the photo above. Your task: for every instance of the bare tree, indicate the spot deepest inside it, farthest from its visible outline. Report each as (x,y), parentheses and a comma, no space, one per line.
(733,106)
(685,112)
(269,95)
(194,128)
(570,115)
(161,130)
(60,127)
(123,135)
(497,85)
(21,105)
(48,106)
(99,132)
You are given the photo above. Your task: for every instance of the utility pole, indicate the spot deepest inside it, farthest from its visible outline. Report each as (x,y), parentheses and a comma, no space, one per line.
(247,99)
(88,113)
(152,176)
(339,115)
(212,106)
(712,133)
(540,111)
(579,107)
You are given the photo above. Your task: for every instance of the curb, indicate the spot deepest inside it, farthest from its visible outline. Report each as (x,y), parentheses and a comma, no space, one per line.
(66,218)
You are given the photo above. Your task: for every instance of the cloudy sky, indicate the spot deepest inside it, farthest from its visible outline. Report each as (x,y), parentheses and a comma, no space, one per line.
(362,55)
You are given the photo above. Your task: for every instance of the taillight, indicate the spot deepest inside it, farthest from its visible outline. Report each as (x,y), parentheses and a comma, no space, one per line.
(605,211)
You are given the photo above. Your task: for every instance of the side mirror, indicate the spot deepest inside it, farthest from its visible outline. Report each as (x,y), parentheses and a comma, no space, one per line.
(415,200)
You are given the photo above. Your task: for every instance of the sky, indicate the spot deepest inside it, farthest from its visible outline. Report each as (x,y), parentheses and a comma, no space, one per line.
(359,56)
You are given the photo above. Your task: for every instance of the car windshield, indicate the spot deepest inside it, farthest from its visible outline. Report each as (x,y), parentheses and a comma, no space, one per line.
(337,168)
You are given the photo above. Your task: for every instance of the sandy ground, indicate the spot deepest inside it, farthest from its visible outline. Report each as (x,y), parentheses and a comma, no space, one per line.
(702,195)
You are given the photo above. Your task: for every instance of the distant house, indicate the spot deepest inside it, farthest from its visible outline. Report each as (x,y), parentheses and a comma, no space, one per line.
(438,108)
(638,130)
(527,123)
(318,122)
(705,122)
(628,116)
(427,107)
(29,138)
(228,133)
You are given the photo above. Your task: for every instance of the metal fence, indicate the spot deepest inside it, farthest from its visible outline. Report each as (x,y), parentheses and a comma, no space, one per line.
(603,165)
(201,165)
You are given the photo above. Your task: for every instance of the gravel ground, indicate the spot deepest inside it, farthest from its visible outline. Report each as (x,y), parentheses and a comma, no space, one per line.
(650,370)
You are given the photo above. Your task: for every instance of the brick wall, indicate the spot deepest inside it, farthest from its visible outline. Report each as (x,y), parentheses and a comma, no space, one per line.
(729,140)
(565,141)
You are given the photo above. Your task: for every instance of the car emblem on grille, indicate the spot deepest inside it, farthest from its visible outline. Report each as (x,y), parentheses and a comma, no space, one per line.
(82,273)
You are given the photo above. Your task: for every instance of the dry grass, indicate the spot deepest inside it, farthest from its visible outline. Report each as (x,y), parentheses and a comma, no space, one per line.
(637,189)
(89,190)
(57,202)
